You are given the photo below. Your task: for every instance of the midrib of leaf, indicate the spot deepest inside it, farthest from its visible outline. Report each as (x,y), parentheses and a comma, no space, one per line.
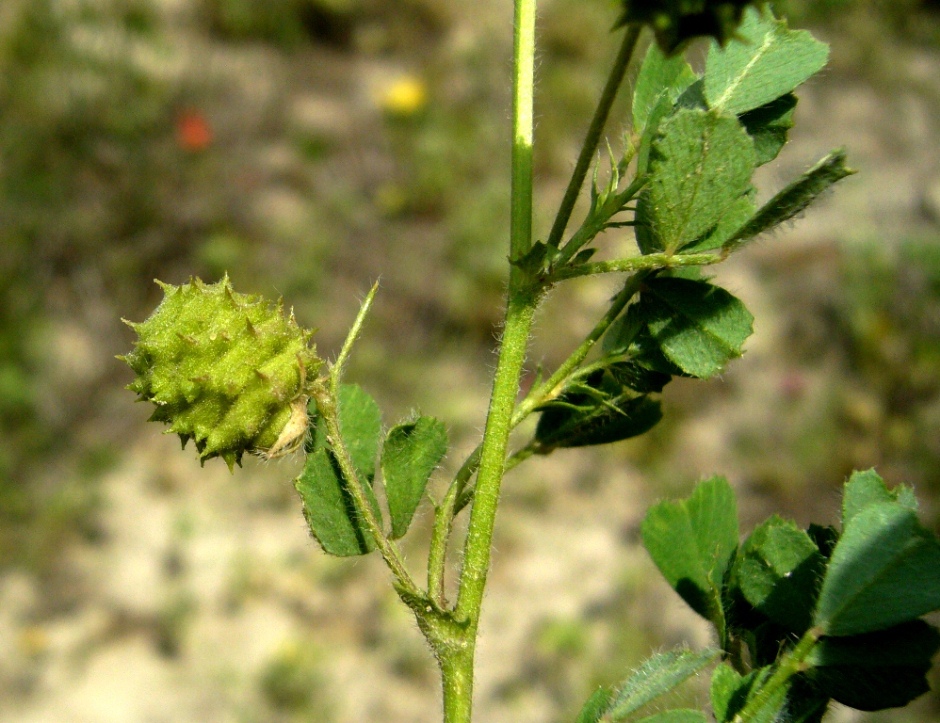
(747,69)
(699,172)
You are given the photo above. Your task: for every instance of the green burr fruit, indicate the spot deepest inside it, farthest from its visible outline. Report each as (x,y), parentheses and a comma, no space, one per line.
(228,370)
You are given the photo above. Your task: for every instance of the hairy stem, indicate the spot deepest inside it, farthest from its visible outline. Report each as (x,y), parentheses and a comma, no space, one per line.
(457,663)
(593,136)
(638,263)
(791,664)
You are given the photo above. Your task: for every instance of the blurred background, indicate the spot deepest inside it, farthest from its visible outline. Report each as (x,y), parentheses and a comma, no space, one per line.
(310,147)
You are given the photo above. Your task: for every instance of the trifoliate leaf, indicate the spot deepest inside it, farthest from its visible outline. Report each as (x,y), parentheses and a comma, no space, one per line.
(700,166)
(770,62)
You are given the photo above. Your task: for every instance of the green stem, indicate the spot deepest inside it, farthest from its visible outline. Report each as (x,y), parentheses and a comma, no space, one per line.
(638,263)
(552,386)
(457,662)
(444,516)
(593,136)
(790,665)
(457,497)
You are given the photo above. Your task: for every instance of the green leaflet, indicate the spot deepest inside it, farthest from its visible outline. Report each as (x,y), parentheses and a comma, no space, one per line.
(730,692)
(328,506)
(884,570)
(698,327)
(692,542)
(777,570)
(867,488)
(360,421)
(886,669)
(736,215)
(660,82)
(771,62)
(658,676)
(411,453)
(578,420)
(794,198)
(700,165)
(769,125)
(595,707)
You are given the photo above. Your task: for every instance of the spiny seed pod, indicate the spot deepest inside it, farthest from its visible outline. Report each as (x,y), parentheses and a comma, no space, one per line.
(227,370)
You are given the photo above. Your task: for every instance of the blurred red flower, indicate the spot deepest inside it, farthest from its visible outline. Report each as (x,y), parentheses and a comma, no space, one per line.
(193,132)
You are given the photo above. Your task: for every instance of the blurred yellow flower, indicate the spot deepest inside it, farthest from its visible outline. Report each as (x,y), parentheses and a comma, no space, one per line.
(404,96)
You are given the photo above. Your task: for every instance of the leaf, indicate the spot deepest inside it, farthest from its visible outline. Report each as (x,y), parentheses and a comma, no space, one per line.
(329,508)
(886,669)
(769,125)
(581,422)
(638,378)
(794,198)
(595,706)
(697,326)
(884,570)
(660,82)
(777,570)
(659,675)
(411,453)
(725,683)
(771,62)
(867,488)
(360,423)
(735,216)
(700,164)
(692,542)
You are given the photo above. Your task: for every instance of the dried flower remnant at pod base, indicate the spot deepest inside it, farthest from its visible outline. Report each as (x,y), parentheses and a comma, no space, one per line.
(230,371)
